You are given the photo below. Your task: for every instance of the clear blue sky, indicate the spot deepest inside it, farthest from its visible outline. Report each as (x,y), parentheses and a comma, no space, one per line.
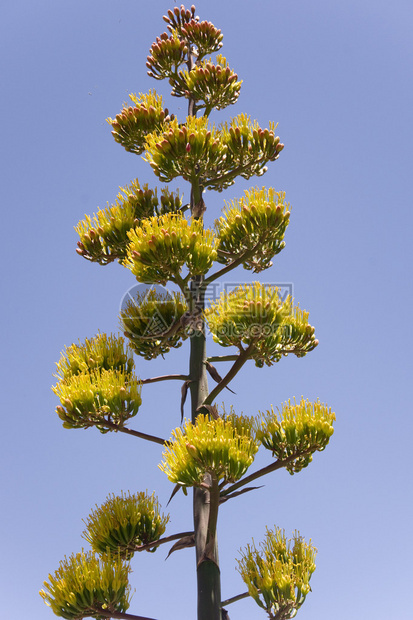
(337,76)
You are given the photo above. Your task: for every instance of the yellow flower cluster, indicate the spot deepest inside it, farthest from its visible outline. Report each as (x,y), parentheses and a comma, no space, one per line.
(178,18)
(123,522)
(85,585)
(132,125)
(97,386)
(104,238)
(209,156)
(295,433)
(192,150)
(165,55)
(203,35)
(93,398)
(161,246)
(220,447)
(248,147)
(101,352)
(278,574)
(152,323)
(254,227)
(215,85)
(255,316)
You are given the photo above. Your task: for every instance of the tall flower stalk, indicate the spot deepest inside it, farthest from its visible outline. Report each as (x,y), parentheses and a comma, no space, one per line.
(161,237)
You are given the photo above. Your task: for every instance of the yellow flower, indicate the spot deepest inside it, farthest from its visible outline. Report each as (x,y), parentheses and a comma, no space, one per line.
(296,432)
(98,397)
(277,575)
(84,584)
(104,238)
(255,316)
(254,227)
(152,323)
(161,246)
(220,446)
(124,522)
(133,124)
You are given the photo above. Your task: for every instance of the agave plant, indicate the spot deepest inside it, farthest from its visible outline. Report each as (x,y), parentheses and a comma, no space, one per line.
(161,239)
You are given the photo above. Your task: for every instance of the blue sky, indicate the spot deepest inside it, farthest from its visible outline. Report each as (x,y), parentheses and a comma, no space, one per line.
(338,79)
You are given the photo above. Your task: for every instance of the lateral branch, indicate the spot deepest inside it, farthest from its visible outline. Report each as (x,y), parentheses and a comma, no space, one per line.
(120,614)
(234,599)
(161,541)
(164,378)
(129,431)
(279,464)
(238,364)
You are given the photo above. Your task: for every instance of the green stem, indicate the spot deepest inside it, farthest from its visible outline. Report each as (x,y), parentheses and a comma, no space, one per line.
(214,506)
(234,599)
(209,595)
(183,285)
(120,614)
(129,431)
(208,575)
(164,378)
(222,358)
(162,541)
(235,368)
(279,464)
(261,472)
(235,263)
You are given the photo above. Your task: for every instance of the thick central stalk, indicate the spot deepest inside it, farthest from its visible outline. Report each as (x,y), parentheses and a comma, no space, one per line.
(208,574)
